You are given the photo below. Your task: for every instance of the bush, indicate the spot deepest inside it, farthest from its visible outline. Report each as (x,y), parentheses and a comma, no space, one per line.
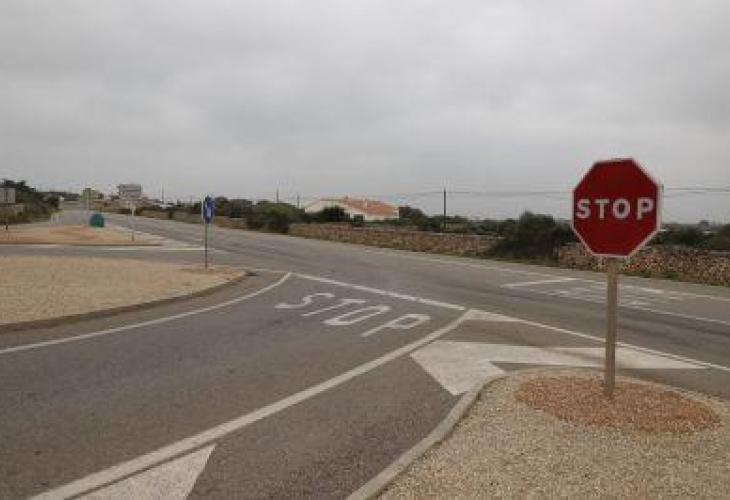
(689,236)
(721,239)
(331,214)
(275,217)
(532,236)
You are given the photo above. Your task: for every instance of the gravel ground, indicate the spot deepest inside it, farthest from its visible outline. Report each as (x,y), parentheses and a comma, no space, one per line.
(504,448)
(35,288)
(68,235)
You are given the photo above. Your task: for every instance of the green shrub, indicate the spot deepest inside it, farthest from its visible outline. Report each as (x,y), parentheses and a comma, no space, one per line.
(331,214)
(275,217)
(532,236)
(721,239)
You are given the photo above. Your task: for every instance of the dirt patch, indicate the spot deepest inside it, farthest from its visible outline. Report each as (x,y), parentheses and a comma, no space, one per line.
(42,288)
(70,235)
(634,406)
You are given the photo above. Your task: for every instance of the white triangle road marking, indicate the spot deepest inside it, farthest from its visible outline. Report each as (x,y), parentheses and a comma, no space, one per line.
(458,366)
(172,480)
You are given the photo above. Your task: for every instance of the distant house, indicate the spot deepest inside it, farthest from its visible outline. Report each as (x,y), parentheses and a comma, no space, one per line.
(370,210)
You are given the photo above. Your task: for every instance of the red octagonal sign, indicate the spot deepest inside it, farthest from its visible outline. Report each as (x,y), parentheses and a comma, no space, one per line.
(616,208)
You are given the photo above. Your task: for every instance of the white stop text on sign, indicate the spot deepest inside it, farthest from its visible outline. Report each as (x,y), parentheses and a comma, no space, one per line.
(351,311)
(620,208)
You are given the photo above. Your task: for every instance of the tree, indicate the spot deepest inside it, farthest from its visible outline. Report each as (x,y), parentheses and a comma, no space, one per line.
(408,212)
(721,239)
(276,217)
(533,236)
(331,214)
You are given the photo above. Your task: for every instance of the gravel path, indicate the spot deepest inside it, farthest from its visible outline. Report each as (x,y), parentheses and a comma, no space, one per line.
(36,288)
(503,448)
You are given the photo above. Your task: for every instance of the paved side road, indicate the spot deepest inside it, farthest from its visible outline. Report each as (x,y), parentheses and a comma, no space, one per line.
(680,318)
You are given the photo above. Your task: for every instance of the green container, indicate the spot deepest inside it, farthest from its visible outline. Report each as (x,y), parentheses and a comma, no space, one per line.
(96,220)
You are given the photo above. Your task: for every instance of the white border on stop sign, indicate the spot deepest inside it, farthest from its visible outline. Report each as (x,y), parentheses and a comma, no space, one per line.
(659,207)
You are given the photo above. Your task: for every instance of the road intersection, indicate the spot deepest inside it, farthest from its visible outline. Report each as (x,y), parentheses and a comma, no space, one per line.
(313,375)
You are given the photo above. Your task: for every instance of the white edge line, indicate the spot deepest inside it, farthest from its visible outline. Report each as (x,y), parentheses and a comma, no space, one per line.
(165,453)
(627,345)
(386,293)
(157,321)
(539,282)
(406,255)
(409,255)
(637,308)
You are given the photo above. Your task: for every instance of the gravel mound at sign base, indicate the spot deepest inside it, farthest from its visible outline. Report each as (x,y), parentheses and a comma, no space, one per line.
(636,406)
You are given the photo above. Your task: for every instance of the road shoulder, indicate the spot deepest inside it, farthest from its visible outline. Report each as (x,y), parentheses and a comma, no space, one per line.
(66,289)
(504,448)
(248,283)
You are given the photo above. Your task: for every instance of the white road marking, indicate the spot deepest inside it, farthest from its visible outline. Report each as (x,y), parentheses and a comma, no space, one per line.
(385,293)
(627,345)
(457,366)
(206,437)
(405,322)
(157,321)
(357,316)
(479,315)
(601,300)
(307,300)
(487,267)
(340,304)
(172,480)
(538,282)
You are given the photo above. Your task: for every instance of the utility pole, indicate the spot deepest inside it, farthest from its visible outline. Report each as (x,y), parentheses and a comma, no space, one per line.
(443,224)
(277,196)
(298,201)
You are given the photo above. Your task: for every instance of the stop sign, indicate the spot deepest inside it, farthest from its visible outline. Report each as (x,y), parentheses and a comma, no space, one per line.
(616,208)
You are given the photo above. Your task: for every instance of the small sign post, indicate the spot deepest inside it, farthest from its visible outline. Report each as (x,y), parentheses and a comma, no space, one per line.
(616,211)
(207,209)
(7,200)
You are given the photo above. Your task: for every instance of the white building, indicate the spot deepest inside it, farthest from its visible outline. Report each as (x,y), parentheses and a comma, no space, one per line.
(370,210)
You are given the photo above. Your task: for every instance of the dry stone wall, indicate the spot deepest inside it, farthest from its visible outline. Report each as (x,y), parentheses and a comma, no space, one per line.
(195,218)
(418,241)
(683,263)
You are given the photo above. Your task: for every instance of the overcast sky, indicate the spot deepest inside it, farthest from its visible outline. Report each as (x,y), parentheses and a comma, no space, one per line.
(367,97)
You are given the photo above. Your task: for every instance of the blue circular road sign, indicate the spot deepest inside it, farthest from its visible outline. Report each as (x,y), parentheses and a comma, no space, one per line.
(208,209)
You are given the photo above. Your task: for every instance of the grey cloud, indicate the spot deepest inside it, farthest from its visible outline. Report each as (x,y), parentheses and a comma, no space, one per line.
(368,97)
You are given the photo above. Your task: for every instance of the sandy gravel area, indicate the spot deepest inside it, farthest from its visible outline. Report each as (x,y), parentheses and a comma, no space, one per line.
(505,448)
(38,288)
(69,235)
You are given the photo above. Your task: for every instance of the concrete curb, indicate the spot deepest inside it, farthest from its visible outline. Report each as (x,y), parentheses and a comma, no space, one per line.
(103,313)
(379,483)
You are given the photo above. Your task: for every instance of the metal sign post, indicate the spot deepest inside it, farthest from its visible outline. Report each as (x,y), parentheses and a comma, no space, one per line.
(7,200)
(205,224)
(134,213)
(616,211)
(130,217)
(609,377)
(207,212)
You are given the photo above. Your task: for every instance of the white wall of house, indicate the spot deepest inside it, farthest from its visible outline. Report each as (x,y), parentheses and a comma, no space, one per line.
(320,205)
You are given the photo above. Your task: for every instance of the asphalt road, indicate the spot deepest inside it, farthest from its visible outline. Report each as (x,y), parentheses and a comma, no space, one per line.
(310,377)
